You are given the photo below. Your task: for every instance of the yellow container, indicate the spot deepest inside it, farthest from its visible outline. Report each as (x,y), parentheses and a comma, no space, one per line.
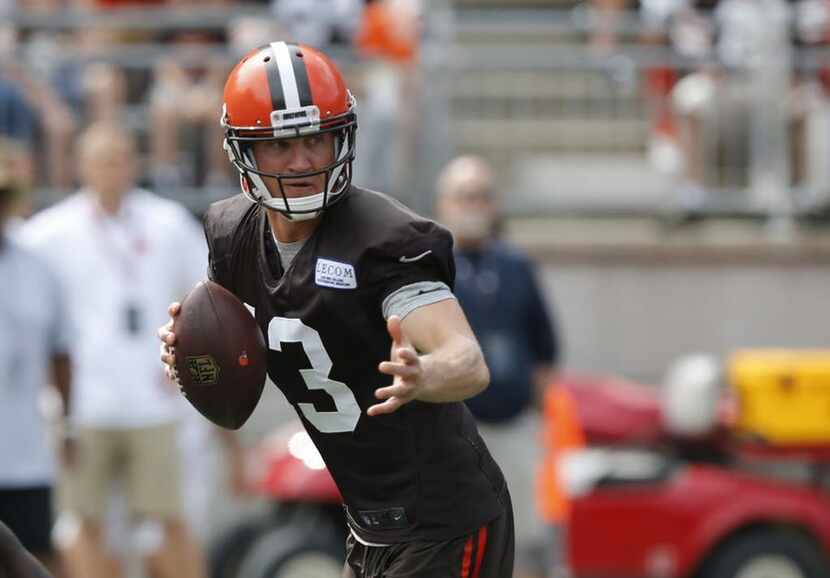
(783,395)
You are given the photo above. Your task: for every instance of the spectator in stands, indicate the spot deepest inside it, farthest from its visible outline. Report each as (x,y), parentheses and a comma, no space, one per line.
(95,88)
(388,41)
(496,287)
(32,112)
(34,55)
(17,118)
(609,24)
(249,30)
(605,17)
(712,111)
(34,352)
(318,23)
(186,93)
(83,63)
(122,253)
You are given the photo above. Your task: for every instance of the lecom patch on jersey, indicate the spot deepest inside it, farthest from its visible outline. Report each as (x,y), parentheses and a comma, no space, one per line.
(333,274)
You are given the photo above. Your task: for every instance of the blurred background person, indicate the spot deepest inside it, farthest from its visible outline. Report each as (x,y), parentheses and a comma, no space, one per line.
(388,41)
(318,23)
(122,253)
(497,288)
(17,117)
(30,110)
(708,130)
(35,339)
(81,64)
(606,16)
(185,137)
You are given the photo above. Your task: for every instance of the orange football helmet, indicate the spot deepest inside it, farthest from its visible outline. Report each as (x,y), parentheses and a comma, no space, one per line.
(283,91)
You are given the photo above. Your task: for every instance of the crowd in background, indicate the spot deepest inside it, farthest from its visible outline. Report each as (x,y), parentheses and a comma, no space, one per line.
(729,55)
(65,65)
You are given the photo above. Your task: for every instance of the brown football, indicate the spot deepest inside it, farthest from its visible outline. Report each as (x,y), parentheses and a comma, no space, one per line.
(221,355)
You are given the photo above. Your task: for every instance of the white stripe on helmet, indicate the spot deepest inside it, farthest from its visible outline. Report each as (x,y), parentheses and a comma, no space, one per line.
(286,68)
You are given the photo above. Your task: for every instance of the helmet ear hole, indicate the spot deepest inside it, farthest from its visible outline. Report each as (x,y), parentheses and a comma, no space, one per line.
(246,150)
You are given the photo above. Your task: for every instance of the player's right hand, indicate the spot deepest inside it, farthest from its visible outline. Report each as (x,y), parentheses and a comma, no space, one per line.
(405,366)
(168,342)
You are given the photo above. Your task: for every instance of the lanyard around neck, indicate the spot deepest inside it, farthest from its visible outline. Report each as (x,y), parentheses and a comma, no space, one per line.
(119,238)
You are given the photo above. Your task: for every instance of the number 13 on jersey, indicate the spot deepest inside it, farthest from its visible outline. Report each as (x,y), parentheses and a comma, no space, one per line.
(344,418)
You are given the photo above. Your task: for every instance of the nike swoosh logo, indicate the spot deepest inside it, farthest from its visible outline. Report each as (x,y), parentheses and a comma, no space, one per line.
(416,257)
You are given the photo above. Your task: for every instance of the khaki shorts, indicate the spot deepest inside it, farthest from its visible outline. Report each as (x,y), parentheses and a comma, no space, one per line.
(146,461)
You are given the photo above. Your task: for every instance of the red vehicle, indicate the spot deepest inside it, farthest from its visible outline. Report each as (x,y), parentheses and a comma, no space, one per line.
(656,506)
(304,532)
(700,520)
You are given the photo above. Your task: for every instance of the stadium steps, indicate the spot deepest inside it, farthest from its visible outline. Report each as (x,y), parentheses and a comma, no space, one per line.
(561,129)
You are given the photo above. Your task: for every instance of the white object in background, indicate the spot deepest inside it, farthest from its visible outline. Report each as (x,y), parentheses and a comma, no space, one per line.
(690,395)
(580,471)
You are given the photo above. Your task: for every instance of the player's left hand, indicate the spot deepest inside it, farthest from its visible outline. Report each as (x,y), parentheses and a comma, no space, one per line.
(167,350)
(405,365)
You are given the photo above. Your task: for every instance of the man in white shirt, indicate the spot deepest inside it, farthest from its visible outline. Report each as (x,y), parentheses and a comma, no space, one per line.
(123,254)
(34,341)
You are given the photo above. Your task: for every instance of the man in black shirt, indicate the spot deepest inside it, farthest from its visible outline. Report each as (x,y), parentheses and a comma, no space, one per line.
(353,292)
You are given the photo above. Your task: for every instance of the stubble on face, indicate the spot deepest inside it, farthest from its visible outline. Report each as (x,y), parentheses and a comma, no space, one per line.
(298,156)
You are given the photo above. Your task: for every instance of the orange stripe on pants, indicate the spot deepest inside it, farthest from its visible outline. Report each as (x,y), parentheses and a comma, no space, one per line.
(467,558)
(482,546)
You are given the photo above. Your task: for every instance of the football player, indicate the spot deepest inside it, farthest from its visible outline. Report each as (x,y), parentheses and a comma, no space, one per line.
(366,339)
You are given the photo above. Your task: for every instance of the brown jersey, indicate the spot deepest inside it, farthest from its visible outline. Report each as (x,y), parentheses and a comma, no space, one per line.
(421,472)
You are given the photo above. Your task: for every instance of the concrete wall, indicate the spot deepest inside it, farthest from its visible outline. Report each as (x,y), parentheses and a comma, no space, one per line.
(632,312)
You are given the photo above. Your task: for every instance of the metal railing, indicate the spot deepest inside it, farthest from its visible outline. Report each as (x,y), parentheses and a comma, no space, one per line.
(544,91)
(527,84)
